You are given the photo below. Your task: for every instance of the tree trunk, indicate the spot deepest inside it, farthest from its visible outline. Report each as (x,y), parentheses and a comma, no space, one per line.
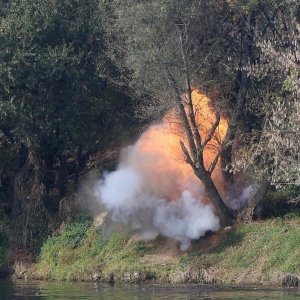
(194,156)
(247,214)
(30,219)
(62,175)
(222,210)
(242,81)
(78,164)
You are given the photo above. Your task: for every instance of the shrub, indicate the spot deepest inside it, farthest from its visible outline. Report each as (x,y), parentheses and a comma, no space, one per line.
(75,233)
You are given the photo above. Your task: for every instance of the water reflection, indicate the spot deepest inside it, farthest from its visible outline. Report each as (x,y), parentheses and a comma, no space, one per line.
(49,291)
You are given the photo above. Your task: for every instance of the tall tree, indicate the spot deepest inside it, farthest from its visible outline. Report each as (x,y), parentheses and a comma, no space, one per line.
(274,151)
(53,103)
(164,49)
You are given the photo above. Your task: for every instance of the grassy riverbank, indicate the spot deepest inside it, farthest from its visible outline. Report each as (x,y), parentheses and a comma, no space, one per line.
(260,253)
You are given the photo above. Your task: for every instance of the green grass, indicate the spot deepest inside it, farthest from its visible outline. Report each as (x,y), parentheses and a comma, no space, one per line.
(80,251)
(259,249)
(251,251)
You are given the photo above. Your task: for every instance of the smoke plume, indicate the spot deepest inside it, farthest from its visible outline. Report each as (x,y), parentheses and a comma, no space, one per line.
(155,192)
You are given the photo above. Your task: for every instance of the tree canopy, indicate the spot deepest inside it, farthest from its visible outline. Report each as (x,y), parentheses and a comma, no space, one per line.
(54,105)
(75,74)
(244,55)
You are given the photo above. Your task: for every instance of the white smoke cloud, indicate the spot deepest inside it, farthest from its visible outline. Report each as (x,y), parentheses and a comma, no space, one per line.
(124,194)
(150,194)
(185,219)
(242,200)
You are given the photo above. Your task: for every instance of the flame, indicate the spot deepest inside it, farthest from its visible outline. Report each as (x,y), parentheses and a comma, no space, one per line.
(159,150)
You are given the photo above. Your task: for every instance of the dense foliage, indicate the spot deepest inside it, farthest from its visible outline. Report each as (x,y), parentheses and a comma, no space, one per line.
(55,110)
(244,55)
(65,67)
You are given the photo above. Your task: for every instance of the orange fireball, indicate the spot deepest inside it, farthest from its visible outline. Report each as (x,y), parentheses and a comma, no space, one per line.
(158,149)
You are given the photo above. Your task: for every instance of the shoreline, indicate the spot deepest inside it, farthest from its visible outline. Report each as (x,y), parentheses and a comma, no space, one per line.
(280,281)
(260,254)
(154,284)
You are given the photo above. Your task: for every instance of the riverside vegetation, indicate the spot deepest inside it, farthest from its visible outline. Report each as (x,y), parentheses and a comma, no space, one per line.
(264,252)
(80,79)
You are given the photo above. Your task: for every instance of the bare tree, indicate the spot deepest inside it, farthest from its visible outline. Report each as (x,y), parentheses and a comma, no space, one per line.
(164,49)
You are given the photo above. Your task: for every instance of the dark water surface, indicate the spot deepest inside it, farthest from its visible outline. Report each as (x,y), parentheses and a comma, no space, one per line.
(46,290)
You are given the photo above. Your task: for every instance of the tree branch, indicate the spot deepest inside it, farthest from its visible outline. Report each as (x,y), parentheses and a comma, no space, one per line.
(194,126)
(184,118)
(212,130)
(186,153)
(214,163)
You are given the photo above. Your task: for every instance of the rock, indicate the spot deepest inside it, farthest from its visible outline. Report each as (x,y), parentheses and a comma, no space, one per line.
(96,277)
(100,219)
(127,276)
(134,277)
(20,270)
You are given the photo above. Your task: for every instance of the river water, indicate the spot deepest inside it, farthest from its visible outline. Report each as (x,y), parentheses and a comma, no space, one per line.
(57,291)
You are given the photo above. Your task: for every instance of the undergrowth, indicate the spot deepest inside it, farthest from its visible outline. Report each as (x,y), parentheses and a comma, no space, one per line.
(5,260)
(259,249)
(82,252)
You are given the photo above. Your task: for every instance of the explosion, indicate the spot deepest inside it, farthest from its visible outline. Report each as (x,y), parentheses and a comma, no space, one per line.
(155,190)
